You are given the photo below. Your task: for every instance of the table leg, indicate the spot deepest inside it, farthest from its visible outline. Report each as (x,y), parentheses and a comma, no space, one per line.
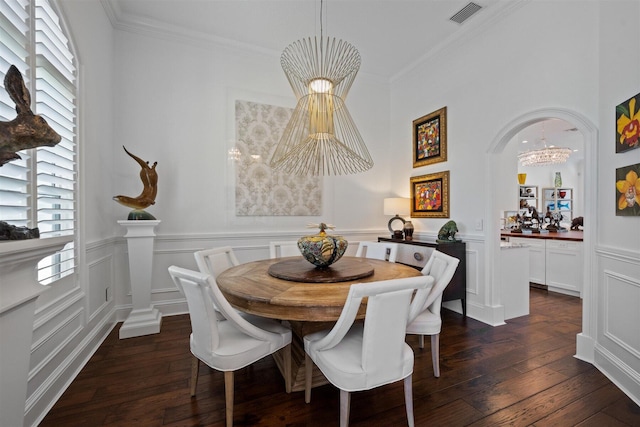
(299,330)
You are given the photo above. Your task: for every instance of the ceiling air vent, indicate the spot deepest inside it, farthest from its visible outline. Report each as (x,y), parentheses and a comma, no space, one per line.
(465,13)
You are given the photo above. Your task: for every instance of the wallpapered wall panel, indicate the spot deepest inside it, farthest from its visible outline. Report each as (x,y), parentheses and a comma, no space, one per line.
(260,190)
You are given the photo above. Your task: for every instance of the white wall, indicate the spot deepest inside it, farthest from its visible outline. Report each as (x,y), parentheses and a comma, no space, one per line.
(513,68)
(181,114)
(486,80)
(617,348)
(174,104)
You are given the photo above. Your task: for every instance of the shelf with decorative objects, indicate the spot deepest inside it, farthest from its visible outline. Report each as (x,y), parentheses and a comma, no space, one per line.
(560,200)
(527,196)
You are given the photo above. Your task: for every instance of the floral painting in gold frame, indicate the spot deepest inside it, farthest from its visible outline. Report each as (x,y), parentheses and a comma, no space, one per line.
(628,190)
(430,138)
(430,195)
(628,124)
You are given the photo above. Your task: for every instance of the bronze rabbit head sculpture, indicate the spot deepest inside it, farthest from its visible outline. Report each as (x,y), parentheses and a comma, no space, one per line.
(27,130)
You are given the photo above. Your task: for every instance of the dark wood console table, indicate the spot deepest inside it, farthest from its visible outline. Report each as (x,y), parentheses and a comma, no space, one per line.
(457,288)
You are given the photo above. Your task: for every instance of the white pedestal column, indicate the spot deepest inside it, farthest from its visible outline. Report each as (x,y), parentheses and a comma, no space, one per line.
(144,319)
(19,289)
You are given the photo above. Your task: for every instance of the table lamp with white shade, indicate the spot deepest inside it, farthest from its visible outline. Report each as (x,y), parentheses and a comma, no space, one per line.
(396,206)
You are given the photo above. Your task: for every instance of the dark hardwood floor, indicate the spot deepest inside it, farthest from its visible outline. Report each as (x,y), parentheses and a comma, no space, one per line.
(521,374)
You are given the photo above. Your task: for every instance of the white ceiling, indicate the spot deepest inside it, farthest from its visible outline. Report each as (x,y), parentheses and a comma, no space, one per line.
(391,35)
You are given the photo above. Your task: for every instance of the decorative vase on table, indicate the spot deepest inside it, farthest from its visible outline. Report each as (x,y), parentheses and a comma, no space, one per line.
(322,249)
(408,230)
(558,180)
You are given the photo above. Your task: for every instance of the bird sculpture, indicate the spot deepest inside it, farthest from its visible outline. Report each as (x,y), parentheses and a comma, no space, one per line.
(149,178)
(27,130)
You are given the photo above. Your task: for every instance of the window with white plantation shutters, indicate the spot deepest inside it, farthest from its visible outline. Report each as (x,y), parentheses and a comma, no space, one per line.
(40,189)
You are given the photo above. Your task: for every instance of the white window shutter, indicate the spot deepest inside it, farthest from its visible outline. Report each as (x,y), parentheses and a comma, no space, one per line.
(40,189)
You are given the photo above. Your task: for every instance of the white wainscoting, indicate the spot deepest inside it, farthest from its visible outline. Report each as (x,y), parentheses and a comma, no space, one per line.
(72,319)
(617,349)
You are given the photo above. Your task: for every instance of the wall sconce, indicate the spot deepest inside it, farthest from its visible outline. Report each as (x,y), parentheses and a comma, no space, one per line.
(396,206)
(233,154)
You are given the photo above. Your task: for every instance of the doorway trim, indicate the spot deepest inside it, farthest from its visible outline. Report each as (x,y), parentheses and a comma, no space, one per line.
(585,339)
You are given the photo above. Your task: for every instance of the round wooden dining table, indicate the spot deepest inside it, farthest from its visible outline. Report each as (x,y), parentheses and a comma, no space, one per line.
(311,299)
(302,297)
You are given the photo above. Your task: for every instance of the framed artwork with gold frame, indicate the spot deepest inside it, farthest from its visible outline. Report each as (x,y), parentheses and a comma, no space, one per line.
(430,138)
(430,195)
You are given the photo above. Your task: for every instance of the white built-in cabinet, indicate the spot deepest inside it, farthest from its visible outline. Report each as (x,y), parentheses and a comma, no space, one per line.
(564,260)
(555,263)
(537,256)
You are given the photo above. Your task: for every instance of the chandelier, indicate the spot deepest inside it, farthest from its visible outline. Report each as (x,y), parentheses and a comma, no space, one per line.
(544,156)
(321,137)
(548,155)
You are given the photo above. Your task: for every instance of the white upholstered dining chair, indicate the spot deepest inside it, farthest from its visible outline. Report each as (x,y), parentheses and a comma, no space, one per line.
(230,343)
(441,267)
(214,261)
(364,355)
(386,251)
(284,249)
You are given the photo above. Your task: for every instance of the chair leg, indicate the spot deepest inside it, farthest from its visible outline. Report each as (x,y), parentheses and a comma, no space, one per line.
(228,396)
(345,404)
(421,341)
(286,359)
(435,354)
(408,399)
(308,373)
(195,368)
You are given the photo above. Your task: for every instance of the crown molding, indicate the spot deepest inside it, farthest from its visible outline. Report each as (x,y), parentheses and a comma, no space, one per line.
(157,29)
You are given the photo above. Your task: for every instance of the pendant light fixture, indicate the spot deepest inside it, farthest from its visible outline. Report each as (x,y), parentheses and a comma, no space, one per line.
(547,155)
(321,137)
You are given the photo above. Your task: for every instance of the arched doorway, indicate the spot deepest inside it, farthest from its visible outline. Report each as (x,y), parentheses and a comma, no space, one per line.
(584,343)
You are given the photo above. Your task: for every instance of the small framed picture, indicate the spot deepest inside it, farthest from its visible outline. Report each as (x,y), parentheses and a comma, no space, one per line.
(627,190)
(628,124)
(430,195)
(430,138)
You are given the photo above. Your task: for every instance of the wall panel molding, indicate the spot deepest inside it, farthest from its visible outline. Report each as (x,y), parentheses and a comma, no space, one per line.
(621,322)
(618,254)
(48,312)
(101,244)
(49,338)
(99,282)
(473,271)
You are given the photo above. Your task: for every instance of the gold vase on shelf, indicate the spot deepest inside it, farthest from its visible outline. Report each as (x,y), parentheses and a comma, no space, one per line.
(522,178)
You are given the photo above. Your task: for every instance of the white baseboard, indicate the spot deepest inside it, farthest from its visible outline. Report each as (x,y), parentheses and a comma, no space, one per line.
(621,374)
(584,348)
